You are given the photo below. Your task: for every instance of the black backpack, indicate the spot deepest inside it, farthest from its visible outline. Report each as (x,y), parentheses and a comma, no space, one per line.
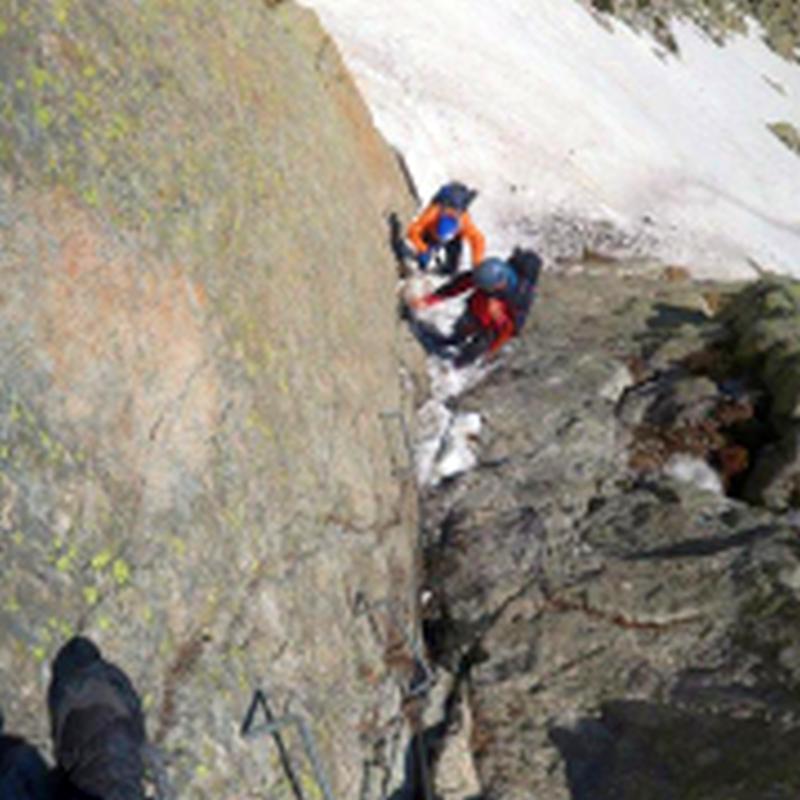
(455,195)
(527,265)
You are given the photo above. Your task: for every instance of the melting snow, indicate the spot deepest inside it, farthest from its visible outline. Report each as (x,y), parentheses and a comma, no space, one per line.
(688,469)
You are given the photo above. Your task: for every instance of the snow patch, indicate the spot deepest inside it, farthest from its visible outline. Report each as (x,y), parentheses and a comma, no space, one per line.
(457,451)
(433,421)
(583,140)
(447,440)
(689,469)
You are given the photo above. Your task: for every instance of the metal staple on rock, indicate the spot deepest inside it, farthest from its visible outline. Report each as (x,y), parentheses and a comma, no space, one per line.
(364,607)
(406,470)
(419,686)
(273,726)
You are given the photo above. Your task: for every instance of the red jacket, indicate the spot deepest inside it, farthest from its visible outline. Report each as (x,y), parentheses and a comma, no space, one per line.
(493,314)
(421,232)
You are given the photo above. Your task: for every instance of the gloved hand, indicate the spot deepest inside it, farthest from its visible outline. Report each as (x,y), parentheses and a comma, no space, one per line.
(424,258)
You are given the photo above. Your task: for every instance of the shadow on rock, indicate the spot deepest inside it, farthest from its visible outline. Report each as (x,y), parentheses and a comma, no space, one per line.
(24,775)
(669,316)
(637,750)
(480,563)
(419,764)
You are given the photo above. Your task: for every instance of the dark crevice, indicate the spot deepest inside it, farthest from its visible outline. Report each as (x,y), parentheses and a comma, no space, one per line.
(750,432)
(730,438)
(426,746)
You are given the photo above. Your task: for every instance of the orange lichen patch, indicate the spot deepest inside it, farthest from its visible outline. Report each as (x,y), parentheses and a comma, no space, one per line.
(729,412)
(646,458)
(481,739)
(127,352)
(369,675)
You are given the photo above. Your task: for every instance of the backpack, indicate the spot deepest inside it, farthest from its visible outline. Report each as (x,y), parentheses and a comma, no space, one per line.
(527,265)
(455,195)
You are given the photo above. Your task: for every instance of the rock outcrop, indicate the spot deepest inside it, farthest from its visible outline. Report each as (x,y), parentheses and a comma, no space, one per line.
(200,381)
(619,630)
(779,22)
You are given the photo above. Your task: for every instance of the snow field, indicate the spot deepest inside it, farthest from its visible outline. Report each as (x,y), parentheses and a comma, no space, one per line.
(551,114)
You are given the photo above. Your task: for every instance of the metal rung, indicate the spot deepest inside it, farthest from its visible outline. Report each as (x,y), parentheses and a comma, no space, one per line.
(273,726)
(398,470)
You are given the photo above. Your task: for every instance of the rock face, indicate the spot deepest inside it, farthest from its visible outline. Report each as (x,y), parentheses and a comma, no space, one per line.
(764,323)
(620,632)
(200,380)
(779,21)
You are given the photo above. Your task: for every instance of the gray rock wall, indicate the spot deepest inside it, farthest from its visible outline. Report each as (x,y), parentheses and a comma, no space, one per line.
(198,340)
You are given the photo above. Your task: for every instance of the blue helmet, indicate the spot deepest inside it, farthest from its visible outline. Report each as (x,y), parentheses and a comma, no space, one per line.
(494,274)
(446,228)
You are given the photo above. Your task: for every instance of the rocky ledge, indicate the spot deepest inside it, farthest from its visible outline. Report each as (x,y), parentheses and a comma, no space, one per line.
(616,585)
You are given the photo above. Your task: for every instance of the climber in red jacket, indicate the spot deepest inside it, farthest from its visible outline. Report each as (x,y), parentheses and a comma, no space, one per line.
(502,294)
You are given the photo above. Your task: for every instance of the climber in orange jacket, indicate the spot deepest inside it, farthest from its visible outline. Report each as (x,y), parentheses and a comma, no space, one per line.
(443,225)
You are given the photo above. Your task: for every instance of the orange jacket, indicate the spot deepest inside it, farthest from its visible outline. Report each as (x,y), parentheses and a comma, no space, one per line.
(421,230)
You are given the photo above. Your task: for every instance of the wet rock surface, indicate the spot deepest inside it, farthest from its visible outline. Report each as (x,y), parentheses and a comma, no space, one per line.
(621,631)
